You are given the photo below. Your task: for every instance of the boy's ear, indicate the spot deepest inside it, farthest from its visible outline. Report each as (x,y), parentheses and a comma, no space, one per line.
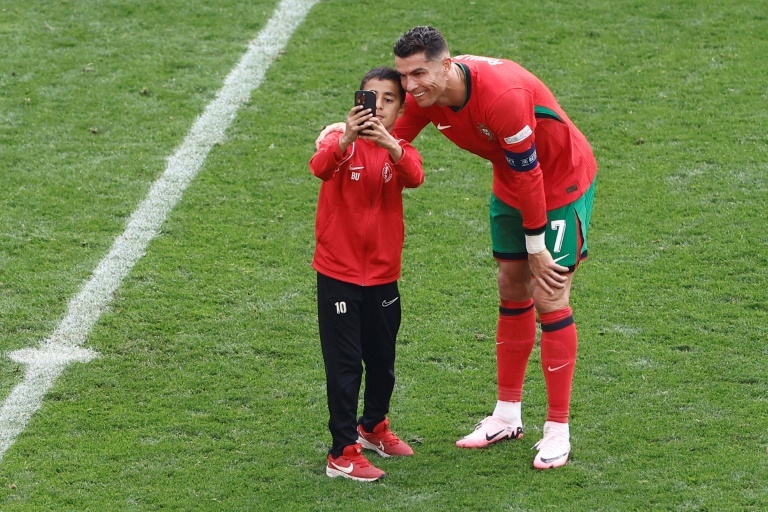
(401,110)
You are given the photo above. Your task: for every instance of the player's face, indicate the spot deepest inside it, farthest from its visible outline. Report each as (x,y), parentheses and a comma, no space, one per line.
(389,104)
(423,79)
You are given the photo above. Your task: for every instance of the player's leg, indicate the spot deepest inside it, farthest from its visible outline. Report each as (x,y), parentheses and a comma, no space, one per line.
(558,361)
(516,328)
(381,314)
(559,342)
(566,241)
(516,332)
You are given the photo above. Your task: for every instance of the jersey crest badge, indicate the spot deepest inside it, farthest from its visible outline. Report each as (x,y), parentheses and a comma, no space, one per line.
(487,133)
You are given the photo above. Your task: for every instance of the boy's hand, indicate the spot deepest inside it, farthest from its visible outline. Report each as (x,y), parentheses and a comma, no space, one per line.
(357,120)
(378,134)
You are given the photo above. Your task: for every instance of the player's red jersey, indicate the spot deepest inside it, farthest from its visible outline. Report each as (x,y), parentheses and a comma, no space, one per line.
(541,161)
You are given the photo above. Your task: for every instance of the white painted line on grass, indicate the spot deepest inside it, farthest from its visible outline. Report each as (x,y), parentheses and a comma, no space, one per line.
(64,346)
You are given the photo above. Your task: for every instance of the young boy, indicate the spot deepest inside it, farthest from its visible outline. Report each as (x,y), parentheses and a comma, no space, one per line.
(359,235)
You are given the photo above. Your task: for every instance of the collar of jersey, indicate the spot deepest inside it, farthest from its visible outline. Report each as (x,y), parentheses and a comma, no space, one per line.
(468,82)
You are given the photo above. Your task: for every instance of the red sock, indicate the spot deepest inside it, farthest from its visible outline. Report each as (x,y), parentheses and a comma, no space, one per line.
(515,336)
(558,359)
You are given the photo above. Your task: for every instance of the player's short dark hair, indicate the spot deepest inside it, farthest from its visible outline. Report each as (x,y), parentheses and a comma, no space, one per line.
(421,39)
(385,73)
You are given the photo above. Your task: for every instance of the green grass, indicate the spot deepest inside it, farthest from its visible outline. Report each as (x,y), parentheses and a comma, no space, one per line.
(209,392)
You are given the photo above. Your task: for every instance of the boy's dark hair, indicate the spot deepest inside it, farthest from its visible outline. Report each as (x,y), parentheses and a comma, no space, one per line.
(421,39)
(384,73)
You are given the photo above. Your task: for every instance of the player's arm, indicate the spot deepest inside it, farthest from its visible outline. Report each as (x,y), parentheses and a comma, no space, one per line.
(513,120)
(413,120)
(327,130)
(529,177)
(523,161)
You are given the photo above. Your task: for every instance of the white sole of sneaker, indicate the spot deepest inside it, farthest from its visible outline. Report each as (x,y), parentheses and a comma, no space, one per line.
(370,446)
(556,462)
(333,473)
(480,444)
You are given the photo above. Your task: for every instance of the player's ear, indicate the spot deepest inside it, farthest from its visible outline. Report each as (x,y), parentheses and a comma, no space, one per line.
(447,62)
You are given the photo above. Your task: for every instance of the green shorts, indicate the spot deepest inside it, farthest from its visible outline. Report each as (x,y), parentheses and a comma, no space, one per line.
(565,235)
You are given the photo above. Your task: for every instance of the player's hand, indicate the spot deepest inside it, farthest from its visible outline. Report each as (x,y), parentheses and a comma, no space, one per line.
(547,273)
(334,127)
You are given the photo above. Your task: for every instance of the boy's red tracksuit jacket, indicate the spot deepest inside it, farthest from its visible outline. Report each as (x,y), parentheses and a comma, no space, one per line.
(359,228)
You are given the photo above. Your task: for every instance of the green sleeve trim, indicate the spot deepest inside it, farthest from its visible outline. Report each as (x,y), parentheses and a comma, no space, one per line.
(544,112)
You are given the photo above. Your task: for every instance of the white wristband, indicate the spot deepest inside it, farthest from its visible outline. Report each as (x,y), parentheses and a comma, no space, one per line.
(535,243)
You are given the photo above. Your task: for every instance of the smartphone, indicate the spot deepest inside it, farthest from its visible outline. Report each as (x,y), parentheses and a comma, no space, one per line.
(367,99)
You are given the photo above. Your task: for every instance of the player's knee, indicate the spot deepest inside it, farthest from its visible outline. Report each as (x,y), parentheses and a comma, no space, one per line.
(514,289)
(549,303)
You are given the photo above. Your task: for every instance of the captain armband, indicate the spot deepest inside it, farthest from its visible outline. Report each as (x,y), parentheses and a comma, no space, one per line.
(524,161)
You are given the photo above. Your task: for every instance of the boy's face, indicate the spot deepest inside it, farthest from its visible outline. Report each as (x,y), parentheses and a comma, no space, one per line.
(389,103)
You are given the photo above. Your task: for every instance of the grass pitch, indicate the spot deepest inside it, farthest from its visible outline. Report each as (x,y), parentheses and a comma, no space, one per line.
(209,392)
